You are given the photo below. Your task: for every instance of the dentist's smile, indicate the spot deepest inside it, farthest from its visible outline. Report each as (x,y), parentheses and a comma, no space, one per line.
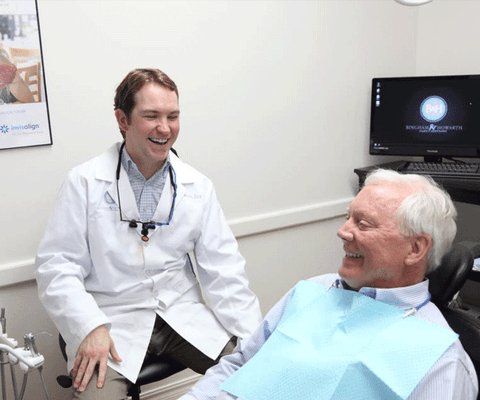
(158,141)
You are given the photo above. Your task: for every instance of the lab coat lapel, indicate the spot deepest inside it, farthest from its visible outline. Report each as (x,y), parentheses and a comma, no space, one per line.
(164,206)
(106,172)
(127,198)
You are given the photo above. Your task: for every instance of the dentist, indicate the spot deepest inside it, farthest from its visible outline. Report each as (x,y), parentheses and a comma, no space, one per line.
(114,268)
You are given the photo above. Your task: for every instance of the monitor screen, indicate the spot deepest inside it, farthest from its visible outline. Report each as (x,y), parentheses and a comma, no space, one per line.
(433,117)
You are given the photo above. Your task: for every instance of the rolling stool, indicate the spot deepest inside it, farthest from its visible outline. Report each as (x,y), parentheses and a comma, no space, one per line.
(154,369)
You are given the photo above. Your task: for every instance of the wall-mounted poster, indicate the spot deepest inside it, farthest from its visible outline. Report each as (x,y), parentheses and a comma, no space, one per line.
(24,119)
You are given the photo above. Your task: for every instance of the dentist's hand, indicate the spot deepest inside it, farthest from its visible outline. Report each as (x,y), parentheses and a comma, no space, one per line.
(95,349)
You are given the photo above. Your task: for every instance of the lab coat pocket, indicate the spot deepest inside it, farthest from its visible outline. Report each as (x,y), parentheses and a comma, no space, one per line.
(169,291)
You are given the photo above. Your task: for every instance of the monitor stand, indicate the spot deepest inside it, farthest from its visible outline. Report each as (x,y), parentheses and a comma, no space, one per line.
(432,159)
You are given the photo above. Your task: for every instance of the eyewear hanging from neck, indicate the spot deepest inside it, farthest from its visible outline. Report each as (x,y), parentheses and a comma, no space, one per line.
(151,224)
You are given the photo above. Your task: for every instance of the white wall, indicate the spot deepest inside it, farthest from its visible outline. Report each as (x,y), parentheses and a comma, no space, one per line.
(275,110)
(448,38)
(449,44)
(273,94)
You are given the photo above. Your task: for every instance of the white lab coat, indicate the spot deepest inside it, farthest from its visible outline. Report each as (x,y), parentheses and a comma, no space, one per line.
(94,269)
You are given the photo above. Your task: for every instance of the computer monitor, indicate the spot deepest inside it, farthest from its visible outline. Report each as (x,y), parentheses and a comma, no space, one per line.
(429,116)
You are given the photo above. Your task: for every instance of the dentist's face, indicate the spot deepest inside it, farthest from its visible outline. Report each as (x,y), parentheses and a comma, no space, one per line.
(152,128)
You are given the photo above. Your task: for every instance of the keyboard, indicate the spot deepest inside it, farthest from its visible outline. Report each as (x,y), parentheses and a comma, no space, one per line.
(447,169)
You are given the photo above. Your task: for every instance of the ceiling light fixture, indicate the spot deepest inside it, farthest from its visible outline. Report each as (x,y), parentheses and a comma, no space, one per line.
(413,2)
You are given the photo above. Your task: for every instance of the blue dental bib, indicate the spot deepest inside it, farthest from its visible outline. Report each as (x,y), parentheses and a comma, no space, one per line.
(338,345)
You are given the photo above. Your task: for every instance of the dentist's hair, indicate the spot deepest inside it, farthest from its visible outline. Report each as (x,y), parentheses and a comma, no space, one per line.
(133,82)
(429,210)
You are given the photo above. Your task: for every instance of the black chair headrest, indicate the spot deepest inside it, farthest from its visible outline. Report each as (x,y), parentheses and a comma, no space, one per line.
(468,328)
(452,273)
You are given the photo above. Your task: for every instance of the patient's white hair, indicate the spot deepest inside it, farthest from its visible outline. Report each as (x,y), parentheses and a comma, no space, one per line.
(429,210)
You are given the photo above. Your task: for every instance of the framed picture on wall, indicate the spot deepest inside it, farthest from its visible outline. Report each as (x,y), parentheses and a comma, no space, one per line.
(24,117)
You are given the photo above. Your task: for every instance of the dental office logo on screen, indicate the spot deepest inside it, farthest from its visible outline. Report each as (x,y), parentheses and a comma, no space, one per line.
(433,109)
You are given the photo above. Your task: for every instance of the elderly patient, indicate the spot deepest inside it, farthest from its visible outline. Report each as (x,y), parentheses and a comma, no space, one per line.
(370,331)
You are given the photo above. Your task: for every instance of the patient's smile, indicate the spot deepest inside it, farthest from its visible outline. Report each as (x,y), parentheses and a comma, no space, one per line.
(352,255)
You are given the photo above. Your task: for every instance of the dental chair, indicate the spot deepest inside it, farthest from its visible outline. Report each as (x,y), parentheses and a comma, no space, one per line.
(445,283)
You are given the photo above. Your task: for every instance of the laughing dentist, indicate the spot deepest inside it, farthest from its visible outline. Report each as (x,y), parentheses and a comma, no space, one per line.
(114,268)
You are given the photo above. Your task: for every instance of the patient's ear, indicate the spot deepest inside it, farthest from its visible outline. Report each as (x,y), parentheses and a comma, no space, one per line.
(420,246)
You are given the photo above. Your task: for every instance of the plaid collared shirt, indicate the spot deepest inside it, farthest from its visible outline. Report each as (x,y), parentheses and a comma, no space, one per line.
(147,192)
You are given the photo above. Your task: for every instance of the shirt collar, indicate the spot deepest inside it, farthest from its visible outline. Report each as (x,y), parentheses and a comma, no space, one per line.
(405,298)
(131,168)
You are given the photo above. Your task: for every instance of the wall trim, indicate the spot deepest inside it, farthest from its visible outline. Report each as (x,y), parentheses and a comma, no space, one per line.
(23,271)
(17,272)
(288,218)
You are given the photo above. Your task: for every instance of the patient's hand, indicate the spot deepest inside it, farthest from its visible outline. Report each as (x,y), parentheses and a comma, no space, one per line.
(95,349)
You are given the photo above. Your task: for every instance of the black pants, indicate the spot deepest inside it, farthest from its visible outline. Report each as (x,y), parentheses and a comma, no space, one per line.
(167,342)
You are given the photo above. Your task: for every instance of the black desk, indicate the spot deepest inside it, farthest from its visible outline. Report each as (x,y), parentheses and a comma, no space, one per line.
(462,190)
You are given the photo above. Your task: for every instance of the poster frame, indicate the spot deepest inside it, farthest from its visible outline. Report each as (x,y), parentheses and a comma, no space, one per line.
(24,123)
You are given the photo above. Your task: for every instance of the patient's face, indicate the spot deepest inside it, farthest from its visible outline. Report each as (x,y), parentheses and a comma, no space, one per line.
(375,250)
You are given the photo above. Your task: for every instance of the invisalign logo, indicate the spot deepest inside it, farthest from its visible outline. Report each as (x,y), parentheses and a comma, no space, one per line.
(25,127)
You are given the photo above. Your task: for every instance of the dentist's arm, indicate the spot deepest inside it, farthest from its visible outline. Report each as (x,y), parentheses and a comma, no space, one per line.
(63,262)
